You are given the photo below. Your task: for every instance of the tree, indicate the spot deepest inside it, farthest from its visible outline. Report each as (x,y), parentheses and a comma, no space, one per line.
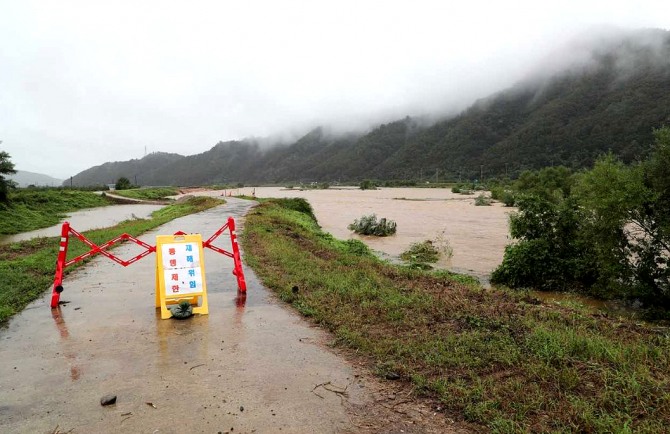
(610,235)
(123,183)
(6,168)
(550,253)
(551,183)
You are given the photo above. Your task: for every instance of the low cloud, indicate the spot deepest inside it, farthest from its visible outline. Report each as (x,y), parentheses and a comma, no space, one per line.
(85,83)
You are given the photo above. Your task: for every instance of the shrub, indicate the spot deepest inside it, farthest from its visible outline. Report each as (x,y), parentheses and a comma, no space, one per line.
(368,225)
(482,200)
(367,185)
(503,195)
(424,251)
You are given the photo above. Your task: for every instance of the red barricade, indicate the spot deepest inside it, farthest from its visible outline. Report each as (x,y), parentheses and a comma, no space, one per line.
(66,231)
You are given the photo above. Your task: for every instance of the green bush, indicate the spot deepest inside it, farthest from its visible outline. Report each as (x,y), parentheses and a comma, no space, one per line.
(551,253)
(482,200)
(367,185)
(369,225)
(503,195)
(424,251)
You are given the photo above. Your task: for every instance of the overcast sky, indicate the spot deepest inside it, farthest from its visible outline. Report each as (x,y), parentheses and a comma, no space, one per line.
(86,82)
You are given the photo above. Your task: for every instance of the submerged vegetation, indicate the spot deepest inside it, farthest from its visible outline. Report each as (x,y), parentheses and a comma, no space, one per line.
(423,252)
(482,200)
(604,231)
(367,185)
(27,267)
(495,358)
(419,255)
(369,225)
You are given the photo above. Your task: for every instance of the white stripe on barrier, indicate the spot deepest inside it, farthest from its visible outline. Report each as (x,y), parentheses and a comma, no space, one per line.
(63,239)
(62,248)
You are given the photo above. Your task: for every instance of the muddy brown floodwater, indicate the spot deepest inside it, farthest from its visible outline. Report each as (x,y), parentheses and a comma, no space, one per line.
(477,234)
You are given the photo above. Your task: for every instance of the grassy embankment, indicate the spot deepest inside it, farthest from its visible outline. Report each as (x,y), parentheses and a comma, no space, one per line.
(158,193)
(40,208)
(497,359)
(27,268)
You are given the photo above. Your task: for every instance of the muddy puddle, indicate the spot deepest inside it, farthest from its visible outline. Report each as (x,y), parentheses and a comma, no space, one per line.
(86,219)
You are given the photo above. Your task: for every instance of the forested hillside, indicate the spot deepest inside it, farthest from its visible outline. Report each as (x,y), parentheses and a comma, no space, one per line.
(140,171)
(610,101)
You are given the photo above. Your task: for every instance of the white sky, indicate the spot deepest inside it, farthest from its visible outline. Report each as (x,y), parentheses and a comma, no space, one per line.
(86,82)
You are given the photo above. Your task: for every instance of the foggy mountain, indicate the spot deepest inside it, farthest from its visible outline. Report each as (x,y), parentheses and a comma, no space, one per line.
(24,179)
(606,95)
(140,170)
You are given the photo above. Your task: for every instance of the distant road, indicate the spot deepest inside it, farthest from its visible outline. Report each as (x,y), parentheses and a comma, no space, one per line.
(123,199)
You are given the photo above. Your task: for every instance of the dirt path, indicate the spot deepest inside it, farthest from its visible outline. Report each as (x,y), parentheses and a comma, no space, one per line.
(249,366)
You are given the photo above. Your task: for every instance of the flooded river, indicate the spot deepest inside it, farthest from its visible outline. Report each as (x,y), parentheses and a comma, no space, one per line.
(477,234)
(86,219)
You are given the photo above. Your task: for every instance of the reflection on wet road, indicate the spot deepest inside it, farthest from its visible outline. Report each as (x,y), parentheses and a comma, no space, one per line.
(198,373)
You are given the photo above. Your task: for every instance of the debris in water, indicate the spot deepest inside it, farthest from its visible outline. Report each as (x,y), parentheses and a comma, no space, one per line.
(108,400)
(182,311)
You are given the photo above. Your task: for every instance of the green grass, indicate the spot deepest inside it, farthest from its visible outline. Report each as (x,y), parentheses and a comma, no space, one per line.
(31,209)
(496,359)
(27,268)
(158,193)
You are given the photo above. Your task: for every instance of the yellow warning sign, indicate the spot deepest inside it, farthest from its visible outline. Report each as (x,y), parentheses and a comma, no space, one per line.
(180,273)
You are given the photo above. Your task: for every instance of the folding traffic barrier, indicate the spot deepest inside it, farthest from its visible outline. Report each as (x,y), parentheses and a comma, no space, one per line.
(169,297)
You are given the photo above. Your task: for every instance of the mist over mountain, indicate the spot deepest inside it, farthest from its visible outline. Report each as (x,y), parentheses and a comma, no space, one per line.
(601,94)
(137,170)
(24,178)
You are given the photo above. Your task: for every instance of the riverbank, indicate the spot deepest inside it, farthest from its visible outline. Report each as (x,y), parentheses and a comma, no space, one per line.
(27,267)
(492,358)
(30,209)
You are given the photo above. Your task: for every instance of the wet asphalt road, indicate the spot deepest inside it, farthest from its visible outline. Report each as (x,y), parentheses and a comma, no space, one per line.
(249,366)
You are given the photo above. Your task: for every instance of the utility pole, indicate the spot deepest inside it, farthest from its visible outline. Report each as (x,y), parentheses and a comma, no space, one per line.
(481,173)
(70,182)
